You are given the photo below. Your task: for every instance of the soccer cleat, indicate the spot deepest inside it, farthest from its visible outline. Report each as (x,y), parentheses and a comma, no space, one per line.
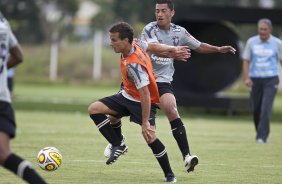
(109,147)
(190,162)
(116,152)
(261,141)
(170,178)
(108,150)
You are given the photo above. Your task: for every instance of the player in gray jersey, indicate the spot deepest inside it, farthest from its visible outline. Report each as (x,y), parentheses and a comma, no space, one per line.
(163,31)
(11,55)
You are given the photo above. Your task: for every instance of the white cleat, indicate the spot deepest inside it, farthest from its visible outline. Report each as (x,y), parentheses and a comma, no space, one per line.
(108,150)
(109,147)
(190,162)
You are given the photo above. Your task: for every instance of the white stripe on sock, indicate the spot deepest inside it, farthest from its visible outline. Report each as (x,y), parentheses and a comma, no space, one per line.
(173,129)
(24,164)
(160,154)
(103,123)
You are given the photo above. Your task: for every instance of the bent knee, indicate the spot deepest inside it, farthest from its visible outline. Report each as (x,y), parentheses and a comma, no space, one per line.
(171,112)
(4,154)
(94,108)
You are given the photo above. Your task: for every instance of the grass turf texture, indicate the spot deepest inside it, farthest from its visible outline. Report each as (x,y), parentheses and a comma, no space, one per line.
(56,115)
(225,146)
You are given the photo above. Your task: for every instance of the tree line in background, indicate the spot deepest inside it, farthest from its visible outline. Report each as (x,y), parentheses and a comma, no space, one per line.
(35,21)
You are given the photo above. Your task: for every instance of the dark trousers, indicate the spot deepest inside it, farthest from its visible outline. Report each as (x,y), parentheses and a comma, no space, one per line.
(262,96)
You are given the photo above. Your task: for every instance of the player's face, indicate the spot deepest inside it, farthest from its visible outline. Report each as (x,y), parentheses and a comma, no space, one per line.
(163,15)
(264,31)
(117,44)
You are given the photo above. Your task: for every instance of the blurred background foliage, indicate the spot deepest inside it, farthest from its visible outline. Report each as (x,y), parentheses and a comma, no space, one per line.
(32,23)
(72,23)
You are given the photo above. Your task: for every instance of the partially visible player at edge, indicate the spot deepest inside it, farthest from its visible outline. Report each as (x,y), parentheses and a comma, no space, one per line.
(165,32)
(11,55)
(137,99)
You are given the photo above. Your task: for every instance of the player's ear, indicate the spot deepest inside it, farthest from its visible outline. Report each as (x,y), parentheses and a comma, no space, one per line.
(126,39)
(172,13)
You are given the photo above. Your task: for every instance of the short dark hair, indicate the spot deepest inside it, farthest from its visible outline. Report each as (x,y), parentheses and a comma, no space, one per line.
(124,30)
(168,2)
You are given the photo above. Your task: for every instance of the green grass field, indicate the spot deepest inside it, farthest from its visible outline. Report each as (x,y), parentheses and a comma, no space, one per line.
(226,149)
(225,145)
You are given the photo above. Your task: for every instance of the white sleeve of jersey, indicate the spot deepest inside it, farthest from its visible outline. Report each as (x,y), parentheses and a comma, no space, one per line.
(149,35)
(138,75)
(280,50)
(142,44)
(189,40)
(247,51)
(12,40)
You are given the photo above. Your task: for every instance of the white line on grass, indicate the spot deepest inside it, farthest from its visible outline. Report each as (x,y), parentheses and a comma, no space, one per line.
(143,162)
(103,161)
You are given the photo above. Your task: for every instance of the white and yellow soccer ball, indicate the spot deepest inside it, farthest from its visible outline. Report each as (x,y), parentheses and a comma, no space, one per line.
(49,158)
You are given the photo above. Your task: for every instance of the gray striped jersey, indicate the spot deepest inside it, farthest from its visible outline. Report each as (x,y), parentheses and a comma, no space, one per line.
(163,67)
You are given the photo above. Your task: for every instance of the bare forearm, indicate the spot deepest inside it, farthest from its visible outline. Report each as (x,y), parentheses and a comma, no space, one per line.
(247,80)
(179,52)
(158,48)
(246,68)
(145,103)
(165,54)
(207,48)
(15,57)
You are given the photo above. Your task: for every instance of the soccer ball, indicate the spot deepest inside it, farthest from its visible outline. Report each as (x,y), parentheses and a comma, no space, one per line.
(49,158)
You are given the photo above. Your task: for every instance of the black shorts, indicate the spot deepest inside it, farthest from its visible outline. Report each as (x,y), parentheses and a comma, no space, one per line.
(125,107)
(7,119)
(164,87)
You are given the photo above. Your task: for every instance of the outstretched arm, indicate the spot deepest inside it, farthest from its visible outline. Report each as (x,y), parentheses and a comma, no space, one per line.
(207,48)
(179,52)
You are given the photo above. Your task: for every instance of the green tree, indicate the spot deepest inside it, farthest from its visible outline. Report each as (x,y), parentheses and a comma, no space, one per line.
(106,16)
(55,17)
(23,19)
(28,17)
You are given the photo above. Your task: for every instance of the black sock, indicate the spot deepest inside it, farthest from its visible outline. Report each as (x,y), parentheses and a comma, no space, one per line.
(179,133)
(160,153)
(23,169)
(117,129)
(104,126)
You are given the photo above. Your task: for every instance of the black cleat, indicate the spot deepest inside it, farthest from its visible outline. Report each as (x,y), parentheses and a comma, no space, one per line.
(109,147)
(170,178)
(116,152)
